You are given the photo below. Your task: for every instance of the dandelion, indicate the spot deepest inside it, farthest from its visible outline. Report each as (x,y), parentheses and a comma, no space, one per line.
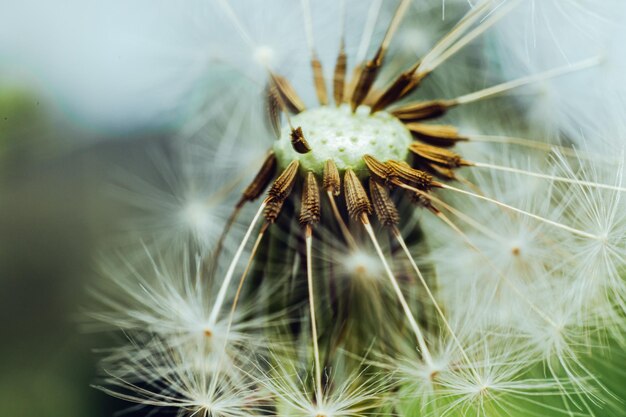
(182,203)
(348,394)
(167,381)
(169,305)
(411,254)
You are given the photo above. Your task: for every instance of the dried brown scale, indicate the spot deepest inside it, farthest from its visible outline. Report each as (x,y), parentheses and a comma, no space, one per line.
(415,82)
(366,79)
(272,109)
(404,174)
(339,77)
(393,92)
(403,85)
(318,80)
(439,135)
(357,202)
(299,142)
(371,69)
(437,155)
(331,180)
(378,170)
(384,208)
(283,185)
(261,180)
(441,172)
(272,210)
(310,210)
(371,98)
(287,94)
(393,173)
(423,110)
(424,202)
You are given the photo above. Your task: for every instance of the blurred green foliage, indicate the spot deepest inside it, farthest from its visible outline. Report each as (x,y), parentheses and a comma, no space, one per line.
(54,215)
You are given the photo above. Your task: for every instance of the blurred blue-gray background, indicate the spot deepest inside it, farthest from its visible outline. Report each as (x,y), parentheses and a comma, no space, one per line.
(85,89)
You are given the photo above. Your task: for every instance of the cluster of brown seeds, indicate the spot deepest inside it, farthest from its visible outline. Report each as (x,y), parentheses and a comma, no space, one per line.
(431,156)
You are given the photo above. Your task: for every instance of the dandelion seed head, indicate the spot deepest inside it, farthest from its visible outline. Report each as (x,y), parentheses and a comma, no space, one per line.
(184,380)
(166,305)
(507,274)
(350,393)
(345,137)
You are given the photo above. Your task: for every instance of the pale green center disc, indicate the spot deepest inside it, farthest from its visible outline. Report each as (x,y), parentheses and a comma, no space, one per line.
(345,137)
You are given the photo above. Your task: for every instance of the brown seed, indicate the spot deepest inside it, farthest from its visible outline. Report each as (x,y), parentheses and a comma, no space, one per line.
(318,80)
(422,201)
(261,180)
(310,209)
(331,180)
(371,69)
(437,155)
(287,94)
(422,110)
(272,109)
(394,91)
(339,77)
(283,185)
(299,142)
(384,207)
(438,135)
(272,210)
(415,82)
(356,197)
(379,171)
(441,172)
(407,175)
(364,83)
